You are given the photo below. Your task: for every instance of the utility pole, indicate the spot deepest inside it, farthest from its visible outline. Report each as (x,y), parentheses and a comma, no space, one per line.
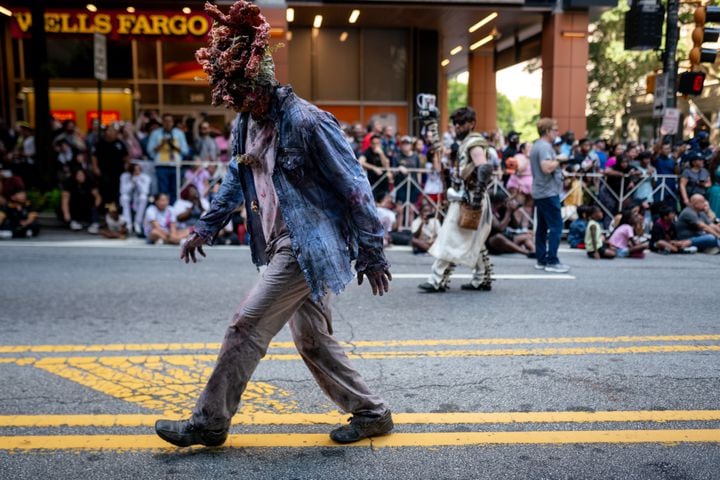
(670,66)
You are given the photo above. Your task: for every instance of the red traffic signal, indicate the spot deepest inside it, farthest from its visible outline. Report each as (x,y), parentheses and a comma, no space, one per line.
(691,83)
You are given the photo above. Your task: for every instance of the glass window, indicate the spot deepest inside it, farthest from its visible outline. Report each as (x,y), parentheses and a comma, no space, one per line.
(186,95)
(299,55)
(149,94)
(385,58)
(337,71)
(73,58)
(146,59)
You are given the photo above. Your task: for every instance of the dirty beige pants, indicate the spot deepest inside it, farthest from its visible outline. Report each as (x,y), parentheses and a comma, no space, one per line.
(281,294)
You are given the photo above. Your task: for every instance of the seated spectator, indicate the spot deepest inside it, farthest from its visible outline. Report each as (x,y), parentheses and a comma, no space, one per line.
(189,207)
(80,203)
(159,223)
(18,217)
(595,244)
(198,176)
(503,237)
(663,237)
(424,230)
(694,225)
(623,238)
(134,191)
(115,225)
(695,179)
(576,235)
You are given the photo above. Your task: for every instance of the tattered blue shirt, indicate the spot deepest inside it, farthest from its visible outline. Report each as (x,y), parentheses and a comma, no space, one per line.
(323,193)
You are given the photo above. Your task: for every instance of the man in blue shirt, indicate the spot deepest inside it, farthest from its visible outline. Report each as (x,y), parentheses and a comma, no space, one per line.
(167,146)
(310,212)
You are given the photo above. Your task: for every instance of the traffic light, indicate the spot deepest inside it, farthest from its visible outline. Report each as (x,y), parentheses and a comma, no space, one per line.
(702,34)
(691,83)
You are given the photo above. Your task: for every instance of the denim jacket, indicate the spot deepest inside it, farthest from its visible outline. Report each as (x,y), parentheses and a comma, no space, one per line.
(323,193)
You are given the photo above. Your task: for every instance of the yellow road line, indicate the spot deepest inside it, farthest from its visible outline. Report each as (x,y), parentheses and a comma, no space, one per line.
(47,363)
(362,343)
(306,440)
(452,418)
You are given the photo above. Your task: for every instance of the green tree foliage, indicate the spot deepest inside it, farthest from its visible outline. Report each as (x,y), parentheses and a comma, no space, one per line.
(527,113)
(457,95)
(615,75)
(505,115)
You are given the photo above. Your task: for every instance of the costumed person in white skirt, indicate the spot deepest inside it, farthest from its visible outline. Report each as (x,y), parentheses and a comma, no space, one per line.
(467,225)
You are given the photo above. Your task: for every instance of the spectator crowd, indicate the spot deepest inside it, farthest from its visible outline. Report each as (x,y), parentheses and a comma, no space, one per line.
(618,199)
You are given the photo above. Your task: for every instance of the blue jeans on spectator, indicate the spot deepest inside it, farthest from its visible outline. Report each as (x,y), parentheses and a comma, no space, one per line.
(706,241)
(166,179)
(548,230)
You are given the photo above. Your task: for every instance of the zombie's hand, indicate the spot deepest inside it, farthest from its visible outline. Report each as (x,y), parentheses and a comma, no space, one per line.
(379,280)
(188,246)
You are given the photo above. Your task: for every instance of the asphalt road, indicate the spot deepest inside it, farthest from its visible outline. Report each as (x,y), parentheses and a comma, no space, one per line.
(611,371)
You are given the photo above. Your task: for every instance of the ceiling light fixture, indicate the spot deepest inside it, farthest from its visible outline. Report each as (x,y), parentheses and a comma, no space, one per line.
(445,62)
(482,22)
(290,15)
(91,7)
(574,34)
(317,23)
(130,9)
(354,16)
(5,11)
(482,42)
(186,10)
(343,36)
(456,50)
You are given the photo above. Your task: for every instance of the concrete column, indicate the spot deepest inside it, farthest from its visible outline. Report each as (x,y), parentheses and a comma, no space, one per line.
(482,95)
(564,63)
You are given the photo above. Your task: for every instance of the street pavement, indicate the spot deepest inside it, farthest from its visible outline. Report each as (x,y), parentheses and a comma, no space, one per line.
(610,371)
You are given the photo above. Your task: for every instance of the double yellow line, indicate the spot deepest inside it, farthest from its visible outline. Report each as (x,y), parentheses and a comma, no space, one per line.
(422,439)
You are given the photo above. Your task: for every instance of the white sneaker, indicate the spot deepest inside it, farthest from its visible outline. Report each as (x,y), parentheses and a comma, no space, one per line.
(539,266)
(712,250)
(691,249)
(557,268)
(75,226)
(94,229)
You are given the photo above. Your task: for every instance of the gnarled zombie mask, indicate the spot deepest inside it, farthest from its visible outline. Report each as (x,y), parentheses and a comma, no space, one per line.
(238,60)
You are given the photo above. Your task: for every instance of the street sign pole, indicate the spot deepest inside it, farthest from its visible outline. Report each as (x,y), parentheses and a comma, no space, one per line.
(100,48)
(670,66)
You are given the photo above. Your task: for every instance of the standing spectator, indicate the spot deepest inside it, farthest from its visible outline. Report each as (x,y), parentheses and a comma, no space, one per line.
(521,181)
(619,182)
(80,203)
(23,155)
(663,236)
(566,147)
(692,224)
(713,193)
(167,147)
(425,230)
(93,136)
(160,223)
(389,145)
(131,141)
(357,139)
(546,190)
(205,145)
(134,191)
(198,176)
(595,245)
(665,164)
(223,142)
(695,179)
(373,128)
(407,159)
(374,160)
(512,148)
(70,135)
(646,184)
(109,161)
(599,151)
(618,150)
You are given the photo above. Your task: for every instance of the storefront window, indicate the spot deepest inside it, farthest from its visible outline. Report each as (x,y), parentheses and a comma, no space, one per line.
(179,60)
(73,58)
(299,54)
(385,61)
(186,95)
(146,59)
(337,70)
(149,94)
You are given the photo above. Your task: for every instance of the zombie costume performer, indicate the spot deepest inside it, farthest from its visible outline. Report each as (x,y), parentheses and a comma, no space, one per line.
(310,212)
(456,245)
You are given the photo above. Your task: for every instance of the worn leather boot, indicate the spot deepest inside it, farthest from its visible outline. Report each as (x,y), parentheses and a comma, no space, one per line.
(360,427)
(183,434)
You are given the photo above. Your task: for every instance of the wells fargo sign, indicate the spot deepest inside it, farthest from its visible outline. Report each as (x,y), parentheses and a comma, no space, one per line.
(116,24)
